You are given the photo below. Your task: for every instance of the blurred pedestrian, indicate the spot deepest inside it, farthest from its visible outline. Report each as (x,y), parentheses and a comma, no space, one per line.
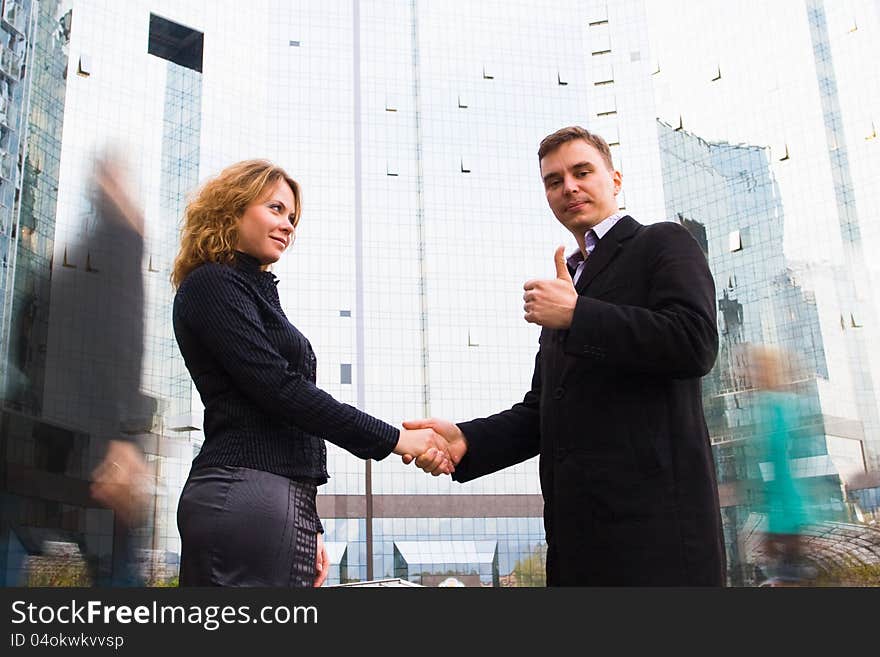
(112,336)
(785,502)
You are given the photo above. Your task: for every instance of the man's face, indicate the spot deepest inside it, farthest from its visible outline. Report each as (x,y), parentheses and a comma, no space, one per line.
(580,188)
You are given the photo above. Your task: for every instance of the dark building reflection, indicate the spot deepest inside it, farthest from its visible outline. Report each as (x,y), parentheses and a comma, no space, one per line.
(726,197)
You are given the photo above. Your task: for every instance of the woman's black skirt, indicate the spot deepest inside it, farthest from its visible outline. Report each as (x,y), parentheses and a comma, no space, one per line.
(243,527)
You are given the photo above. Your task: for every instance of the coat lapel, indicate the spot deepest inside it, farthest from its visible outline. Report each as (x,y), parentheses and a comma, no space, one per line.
(606,250)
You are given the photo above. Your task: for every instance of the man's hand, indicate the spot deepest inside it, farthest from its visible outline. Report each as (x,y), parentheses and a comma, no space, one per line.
(551,302)
(455,439)
(119,482)
(428,448)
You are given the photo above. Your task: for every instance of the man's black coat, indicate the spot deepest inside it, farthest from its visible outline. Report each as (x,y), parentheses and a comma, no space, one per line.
(616,414)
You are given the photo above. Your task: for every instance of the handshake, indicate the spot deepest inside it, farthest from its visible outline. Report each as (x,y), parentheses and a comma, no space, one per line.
(435,445)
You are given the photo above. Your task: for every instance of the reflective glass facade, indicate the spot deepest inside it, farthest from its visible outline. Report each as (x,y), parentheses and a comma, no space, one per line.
(17,36)
(726,196)
(767,152)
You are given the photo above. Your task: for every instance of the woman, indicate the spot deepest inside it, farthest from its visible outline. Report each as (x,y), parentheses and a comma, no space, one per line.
(247,514)
(787,501)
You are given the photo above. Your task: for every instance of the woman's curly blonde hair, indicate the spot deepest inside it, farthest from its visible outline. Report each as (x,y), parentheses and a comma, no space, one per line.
(210,221)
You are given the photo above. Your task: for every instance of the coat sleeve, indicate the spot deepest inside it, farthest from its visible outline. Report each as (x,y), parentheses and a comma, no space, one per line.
(222,314)
(675,334)
(504,439)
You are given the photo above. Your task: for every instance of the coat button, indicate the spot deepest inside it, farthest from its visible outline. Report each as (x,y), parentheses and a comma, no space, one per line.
(559,393)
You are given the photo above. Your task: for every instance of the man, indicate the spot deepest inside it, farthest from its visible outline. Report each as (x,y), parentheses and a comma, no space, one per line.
(112,289)
(615,409)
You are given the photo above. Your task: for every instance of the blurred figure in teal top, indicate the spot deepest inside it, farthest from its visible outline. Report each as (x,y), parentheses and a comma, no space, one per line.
(786,501)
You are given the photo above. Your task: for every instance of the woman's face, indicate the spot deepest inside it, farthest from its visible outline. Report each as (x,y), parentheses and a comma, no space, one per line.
(265,229)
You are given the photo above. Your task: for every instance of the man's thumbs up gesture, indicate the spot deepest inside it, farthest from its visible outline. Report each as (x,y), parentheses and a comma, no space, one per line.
(551,302)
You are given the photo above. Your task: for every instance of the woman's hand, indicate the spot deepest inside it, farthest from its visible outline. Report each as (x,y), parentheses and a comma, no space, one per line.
(322,562)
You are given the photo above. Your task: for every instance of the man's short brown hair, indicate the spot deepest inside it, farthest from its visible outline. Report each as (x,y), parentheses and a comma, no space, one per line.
(551,142)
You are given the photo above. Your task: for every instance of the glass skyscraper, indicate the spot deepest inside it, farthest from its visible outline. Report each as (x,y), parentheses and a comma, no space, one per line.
(768,148)
(726,196)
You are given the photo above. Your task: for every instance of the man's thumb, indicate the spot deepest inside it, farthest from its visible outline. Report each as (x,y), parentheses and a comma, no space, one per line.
(561,267)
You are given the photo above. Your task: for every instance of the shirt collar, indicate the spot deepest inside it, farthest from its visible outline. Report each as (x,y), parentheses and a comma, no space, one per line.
(246,261)
(250,265)
(600,230)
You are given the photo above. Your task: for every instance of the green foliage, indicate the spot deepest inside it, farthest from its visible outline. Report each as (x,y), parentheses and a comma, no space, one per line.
(163,583)
(58,572)
(858,574)
(530,571)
